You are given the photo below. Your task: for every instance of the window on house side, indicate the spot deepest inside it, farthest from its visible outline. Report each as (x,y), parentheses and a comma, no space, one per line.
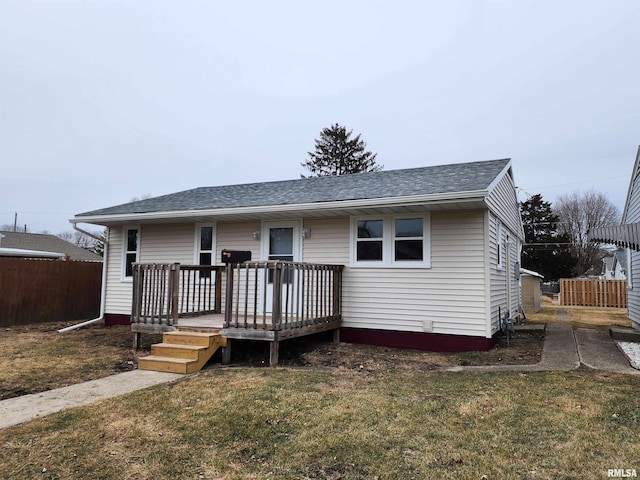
(370,240)
(206,253)
(131,251)
(388,241)
(408,243)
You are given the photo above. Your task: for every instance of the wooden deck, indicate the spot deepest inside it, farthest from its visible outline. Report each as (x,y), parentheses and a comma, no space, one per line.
(267,301)
(205,322)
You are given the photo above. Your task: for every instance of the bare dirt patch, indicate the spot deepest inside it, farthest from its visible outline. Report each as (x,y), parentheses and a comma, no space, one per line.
(318,351)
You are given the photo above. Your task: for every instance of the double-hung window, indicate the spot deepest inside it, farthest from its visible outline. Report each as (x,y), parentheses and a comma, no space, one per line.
(131,251)
(391,241)
(206,248)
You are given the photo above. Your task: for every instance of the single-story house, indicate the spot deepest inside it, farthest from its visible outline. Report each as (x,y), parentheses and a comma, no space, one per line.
(428,257)
(627,236)
(42,245)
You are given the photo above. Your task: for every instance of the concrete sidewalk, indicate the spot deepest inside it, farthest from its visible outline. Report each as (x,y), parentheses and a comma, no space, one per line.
(598,350)
(21,409)
(564,350)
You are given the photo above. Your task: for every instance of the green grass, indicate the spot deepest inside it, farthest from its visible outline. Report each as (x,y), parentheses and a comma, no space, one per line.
(297,424)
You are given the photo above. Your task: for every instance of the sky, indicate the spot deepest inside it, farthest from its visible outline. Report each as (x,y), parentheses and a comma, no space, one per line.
(105,101)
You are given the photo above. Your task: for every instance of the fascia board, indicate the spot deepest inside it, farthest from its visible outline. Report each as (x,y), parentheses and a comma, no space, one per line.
(296,207)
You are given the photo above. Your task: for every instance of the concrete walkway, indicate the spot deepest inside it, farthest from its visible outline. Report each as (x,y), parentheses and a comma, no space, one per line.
(564,350)
(20,409)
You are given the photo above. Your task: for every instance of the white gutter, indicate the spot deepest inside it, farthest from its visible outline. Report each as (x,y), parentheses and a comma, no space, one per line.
(103,287)
(21,252)
(440,198)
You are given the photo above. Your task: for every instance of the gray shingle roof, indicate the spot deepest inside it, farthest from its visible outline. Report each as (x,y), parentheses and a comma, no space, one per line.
(46,243)
(443,179)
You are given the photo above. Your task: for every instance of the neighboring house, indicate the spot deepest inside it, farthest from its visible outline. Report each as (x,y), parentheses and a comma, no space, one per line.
(40,245)
(531,284)
(431,255)
(614,266)
(627,235)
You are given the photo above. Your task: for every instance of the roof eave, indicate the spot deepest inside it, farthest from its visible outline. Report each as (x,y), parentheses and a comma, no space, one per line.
(431,199)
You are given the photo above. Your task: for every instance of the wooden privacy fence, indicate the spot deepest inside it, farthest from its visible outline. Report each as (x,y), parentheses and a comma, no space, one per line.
(593,293)
(37,291)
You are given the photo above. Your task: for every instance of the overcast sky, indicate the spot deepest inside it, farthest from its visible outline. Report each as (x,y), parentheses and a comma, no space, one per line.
(103,101)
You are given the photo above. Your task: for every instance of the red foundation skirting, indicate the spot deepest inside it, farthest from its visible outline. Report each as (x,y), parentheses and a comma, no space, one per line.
(116,319)
(431,342)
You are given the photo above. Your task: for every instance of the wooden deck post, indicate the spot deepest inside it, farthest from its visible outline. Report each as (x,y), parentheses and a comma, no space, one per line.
(274,349)
(276,311)
(228,299)
(226,353)
(218,292)
(174,287)
(136,340)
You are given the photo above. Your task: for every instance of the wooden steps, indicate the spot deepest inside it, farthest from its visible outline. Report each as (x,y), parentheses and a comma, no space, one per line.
(182,351)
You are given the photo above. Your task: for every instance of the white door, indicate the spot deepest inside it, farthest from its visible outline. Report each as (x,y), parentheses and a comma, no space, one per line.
(281,241)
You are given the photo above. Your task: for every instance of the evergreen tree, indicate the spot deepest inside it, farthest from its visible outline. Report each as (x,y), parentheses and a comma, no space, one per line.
(546,250)
(336,153)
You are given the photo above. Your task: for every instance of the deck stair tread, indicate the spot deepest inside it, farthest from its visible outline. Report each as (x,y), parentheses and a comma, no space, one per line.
(182,351)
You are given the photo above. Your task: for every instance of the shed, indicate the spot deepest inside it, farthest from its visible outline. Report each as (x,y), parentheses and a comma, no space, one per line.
(531,290)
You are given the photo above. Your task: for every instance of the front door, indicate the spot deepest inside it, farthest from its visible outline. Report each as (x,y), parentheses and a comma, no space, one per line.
(281,241)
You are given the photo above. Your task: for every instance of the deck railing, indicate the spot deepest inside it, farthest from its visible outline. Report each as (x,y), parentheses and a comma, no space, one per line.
(164,292)
(278,295)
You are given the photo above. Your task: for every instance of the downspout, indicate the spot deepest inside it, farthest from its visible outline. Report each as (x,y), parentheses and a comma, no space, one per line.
(103,287)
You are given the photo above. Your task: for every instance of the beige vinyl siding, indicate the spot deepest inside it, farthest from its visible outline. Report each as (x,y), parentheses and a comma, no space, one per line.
(167,244)
(449,297)
(632,215)
(237,236)
(329,241)
(158,244)
(498,276)
(118,293)
(503,202)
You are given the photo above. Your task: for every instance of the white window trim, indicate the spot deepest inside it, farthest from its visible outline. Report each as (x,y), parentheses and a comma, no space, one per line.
(123,263)
(196,248)
(389,241)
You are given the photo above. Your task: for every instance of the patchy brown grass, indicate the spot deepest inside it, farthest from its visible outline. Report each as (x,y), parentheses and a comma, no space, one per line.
(36,357)
(590,317)
(346,424)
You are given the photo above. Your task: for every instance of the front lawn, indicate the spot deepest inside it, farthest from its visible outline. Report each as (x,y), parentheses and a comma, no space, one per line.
(36,357)
(242,423)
